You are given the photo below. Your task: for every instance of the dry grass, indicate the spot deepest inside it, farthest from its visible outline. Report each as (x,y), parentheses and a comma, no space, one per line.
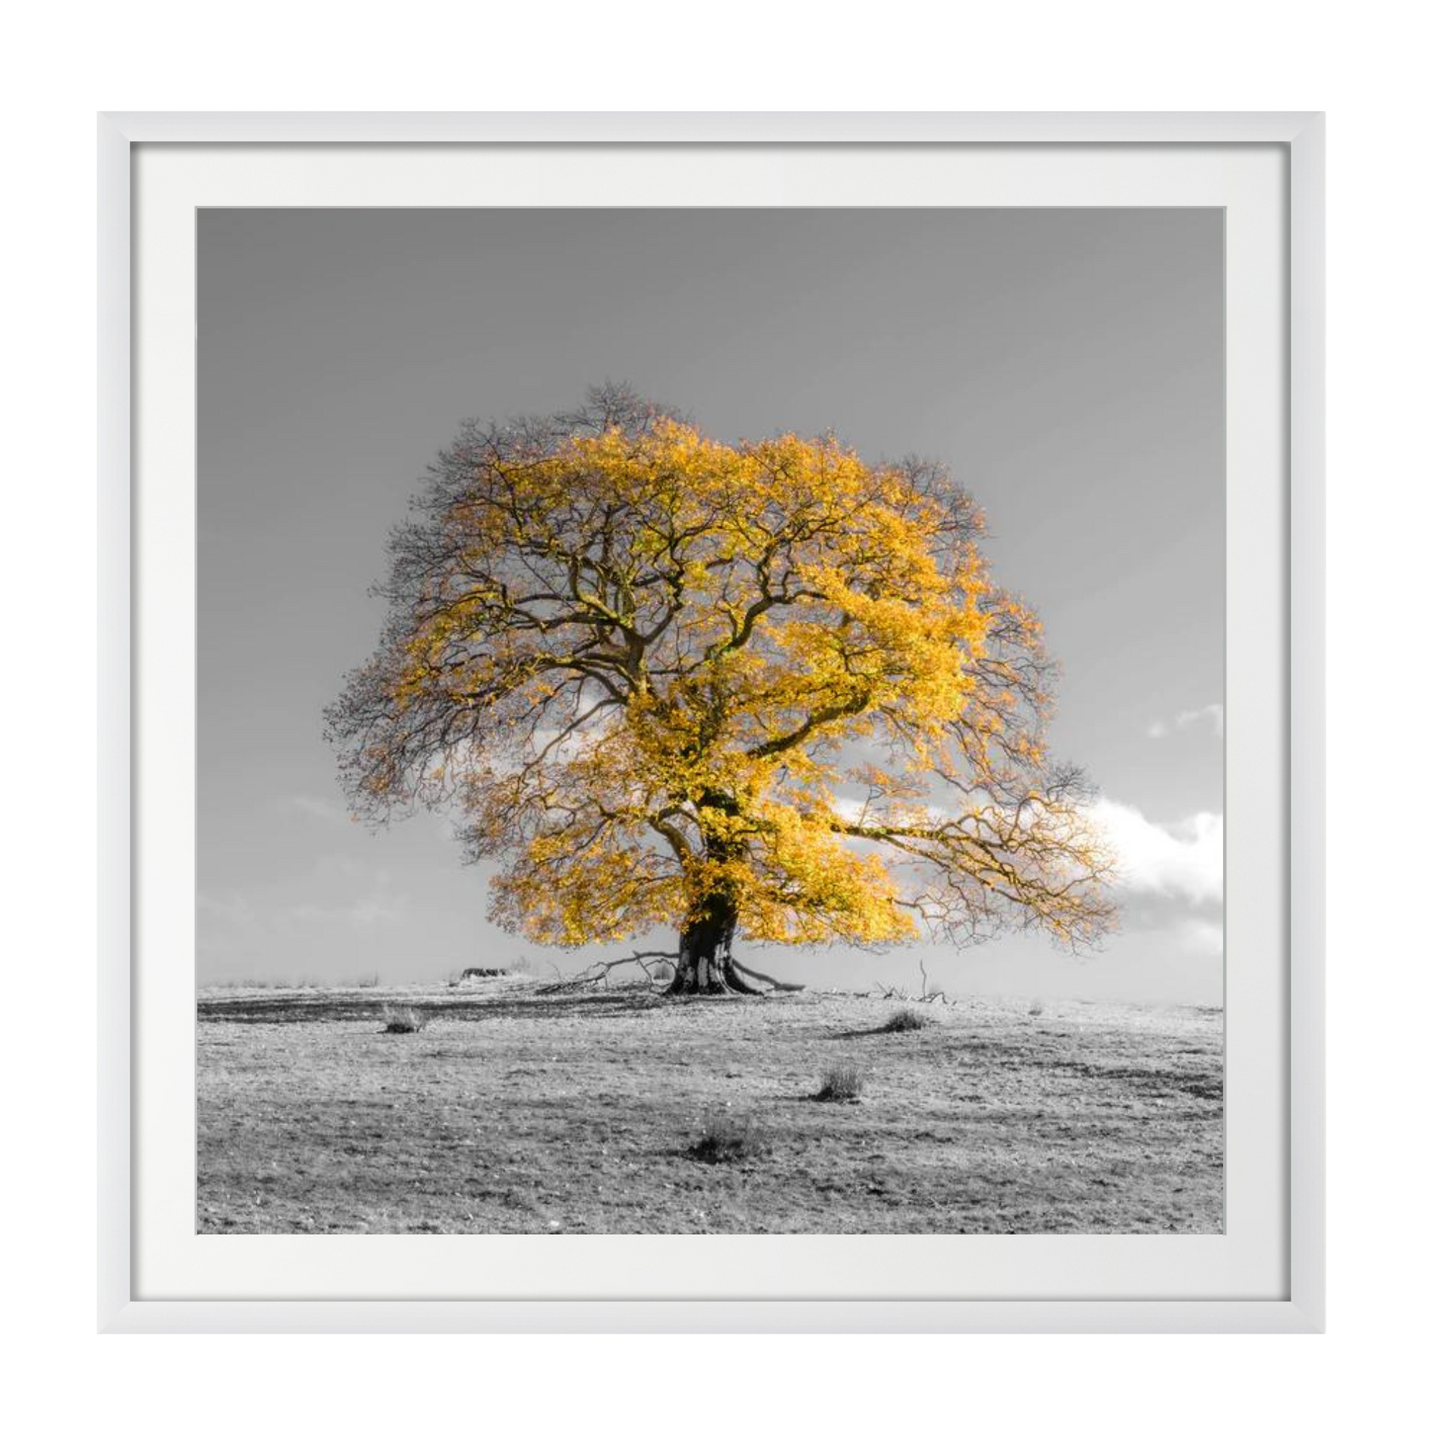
(904,1021)
(401,1020)
(841,1083)
(516,1112)
(726,1139)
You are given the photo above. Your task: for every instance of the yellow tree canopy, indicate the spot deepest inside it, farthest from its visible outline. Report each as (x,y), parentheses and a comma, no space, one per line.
(664,679)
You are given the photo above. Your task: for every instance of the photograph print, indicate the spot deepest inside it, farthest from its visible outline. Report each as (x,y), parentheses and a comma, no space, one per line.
(710,721)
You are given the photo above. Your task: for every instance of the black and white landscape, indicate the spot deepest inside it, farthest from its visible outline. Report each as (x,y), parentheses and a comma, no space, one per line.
(775,782)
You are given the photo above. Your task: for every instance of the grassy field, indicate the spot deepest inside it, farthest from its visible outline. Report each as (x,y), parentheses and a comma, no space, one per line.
(613,1112)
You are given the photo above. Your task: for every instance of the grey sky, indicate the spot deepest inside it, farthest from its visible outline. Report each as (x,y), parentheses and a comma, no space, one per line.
(1067,365)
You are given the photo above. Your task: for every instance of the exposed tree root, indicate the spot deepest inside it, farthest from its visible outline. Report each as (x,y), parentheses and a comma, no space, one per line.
(725,977)
(778,985)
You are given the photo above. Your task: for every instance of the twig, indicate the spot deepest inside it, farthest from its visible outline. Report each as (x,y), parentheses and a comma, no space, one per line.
(929,995)
(896,991)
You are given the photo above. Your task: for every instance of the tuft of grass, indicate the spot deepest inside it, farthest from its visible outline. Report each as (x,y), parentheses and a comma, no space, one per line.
(1036,1008)
(726,1139)
(370,980)
(401,1020)
(841,1082)
(905,1021)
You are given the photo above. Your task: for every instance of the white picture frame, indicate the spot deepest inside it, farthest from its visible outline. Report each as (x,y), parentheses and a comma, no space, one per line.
(136,1030)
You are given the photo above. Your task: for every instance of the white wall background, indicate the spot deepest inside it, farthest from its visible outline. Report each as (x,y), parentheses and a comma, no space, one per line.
(1374,71)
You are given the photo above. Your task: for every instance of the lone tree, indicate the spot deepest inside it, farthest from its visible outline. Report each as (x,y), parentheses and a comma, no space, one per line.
(761,690)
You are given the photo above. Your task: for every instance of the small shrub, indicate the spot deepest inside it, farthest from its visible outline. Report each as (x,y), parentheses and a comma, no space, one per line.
(401,1021)
(1036,1008)
(905,1021)
(371,980)
(726,1139)
(841,1081)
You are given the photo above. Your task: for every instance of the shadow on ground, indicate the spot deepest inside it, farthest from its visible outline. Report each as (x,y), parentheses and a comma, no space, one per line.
(338,1006)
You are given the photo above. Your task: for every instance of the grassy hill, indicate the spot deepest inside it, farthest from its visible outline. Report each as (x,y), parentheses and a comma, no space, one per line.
(612,1111)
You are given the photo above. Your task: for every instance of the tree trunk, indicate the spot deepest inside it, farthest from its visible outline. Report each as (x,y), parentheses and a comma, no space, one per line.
(705,953)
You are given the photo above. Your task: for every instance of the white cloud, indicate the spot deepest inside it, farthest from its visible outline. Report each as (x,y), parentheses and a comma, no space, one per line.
(314,807)
(358,913)
(343,902)
(1180,860)
(849,809)
(1202,935)
(1210,715)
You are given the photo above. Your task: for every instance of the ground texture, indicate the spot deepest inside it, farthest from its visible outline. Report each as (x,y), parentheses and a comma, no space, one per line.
(515,1110)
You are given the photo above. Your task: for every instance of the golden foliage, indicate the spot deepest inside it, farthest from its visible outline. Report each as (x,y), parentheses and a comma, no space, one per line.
(655,672)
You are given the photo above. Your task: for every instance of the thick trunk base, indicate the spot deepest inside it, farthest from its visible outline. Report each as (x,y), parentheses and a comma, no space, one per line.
(705,963)
(716,980)
(705,955)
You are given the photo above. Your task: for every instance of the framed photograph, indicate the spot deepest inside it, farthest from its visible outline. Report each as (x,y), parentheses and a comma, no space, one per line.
(712,722)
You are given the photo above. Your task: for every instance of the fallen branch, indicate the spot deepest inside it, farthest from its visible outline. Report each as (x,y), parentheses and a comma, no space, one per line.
(928,996)
(601,971)
(899,994)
